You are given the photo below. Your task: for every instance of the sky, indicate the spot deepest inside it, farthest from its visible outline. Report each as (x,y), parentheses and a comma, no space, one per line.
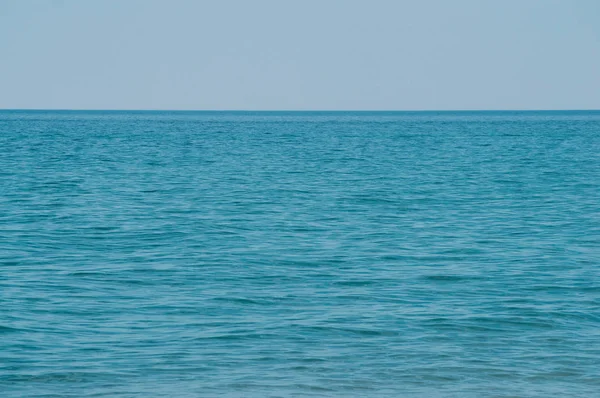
(300,54)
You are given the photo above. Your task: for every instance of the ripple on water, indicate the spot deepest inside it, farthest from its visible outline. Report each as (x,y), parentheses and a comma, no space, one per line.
(299,254)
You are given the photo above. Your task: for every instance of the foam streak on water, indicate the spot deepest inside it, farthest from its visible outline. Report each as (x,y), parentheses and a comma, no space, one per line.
(150,254)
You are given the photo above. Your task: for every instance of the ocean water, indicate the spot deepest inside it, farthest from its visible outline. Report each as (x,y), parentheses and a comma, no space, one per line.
(323,254)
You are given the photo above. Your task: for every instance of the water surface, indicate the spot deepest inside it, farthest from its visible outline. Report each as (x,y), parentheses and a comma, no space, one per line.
(274,254)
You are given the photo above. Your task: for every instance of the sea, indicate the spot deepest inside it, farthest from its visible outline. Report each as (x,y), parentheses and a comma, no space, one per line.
(299,254)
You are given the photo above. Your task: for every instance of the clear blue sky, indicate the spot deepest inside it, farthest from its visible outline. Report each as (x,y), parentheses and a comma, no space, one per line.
(301,54)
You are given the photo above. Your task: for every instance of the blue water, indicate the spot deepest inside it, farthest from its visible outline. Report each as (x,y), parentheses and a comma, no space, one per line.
(216,254)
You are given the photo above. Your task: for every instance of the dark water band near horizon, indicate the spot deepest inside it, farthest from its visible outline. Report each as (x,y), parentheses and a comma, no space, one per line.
(299,254)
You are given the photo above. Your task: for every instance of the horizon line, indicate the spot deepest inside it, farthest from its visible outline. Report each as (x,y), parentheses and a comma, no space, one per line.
(295,110)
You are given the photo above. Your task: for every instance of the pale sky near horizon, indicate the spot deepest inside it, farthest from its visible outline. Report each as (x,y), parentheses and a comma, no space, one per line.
(300,55)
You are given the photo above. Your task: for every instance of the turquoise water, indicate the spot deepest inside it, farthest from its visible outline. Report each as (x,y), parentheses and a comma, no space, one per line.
(241,254)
